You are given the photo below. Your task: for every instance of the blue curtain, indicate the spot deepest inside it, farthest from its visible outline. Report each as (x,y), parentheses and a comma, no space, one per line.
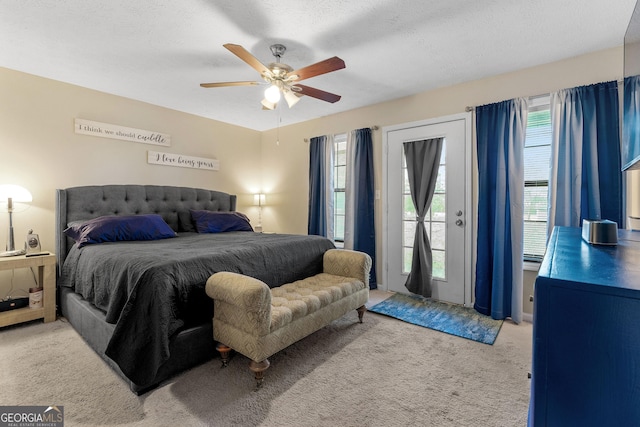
(317,223)
(359,211)
(585,176)
(500,130)
(363,198)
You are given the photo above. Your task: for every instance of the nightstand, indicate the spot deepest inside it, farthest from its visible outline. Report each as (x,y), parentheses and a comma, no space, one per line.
(46,274)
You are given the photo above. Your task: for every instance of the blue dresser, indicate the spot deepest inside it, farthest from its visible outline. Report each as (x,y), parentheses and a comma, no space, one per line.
(586,333)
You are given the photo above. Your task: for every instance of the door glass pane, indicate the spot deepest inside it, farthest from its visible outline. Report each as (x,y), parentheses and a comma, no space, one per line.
(407,256)
(409,209)
(438,208)
(439,265)
(409,232)
(438,234)
(440,184)
(405,180)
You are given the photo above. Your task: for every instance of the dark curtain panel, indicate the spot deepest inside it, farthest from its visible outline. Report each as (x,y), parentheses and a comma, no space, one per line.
(423,160)
(317,187)
(500,133)
(364,231)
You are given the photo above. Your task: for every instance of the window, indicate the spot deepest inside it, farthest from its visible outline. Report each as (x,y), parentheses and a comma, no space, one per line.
(537,154)
(339,185)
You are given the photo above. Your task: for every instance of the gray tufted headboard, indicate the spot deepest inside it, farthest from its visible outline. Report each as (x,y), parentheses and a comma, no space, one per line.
(172,203)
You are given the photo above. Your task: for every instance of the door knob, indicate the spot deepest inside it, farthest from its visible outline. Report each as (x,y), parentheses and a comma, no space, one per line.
(458,222)
(459,213)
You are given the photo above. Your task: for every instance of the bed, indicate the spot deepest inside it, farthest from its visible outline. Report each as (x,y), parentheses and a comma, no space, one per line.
(141,304)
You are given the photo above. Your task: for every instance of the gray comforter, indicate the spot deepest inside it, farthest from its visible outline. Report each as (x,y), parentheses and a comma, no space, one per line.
(152,289)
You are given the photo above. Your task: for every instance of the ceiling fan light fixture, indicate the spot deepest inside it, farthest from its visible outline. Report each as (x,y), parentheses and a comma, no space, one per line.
(272,94)
(268,105)
(291,98)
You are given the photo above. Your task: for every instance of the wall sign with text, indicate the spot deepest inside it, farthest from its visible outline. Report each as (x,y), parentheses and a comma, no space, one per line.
(179,160)
(106,130)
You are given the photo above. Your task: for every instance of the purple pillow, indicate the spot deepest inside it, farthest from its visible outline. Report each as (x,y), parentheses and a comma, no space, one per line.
(115,228)
(219,222)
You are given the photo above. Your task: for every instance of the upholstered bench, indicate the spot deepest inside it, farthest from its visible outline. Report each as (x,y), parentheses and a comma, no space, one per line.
(257,322)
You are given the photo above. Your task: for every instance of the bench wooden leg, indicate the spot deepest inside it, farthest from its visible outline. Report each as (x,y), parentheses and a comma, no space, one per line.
(258,369)
(361,311)
(224,354)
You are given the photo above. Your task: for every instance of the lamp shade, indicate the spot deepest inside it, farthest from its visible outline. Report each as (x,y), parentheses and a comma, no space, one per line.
(266,105)
(291,98)
(10,194)
(14,192)
(259,199)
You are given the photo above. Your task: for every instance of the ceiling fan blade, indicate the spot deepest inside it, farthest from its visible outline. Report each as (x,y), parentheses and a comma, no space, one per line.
(322,67)
(223,84)
(247,57)
(316,93)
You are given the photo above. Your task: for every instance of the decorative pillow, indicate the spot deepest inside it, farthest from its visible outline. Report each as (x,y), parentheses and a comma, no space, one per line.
(115,228)
(219,222)
(185,222)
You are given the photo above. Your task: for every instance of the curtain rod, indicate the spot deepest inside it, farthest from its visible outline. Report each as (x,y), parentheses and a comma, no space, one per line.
(374,127)
(472,108)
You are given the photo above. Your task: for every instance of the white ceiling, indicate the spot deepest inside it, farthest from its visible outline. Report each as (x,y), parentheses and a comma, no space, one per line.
(159,51)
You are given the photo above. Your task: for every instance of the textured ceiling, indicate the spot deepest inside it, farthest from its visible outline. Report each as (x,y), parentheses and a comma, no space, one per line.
(159,51)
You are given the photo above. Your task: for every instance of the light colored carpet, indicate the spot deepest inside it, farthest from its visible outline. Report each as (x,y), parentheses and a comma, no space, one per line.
(383,372)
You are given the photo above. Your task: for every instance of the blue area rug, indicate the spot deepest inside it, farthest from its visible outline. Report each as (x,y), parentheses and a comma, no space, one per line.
(450,318)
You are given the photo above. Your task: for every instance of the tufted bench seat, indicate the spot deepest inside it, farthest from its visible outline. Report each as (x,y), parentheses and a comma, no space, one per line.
(258,322)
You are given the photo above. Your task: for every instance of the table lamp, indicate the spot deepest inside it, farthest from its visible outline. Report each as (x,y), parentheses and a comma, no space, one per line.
(11,194)
(259,201)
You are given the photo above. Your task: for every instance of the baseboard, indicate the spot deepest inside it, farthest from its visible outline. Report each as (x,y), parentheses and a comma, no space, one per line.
(527,317)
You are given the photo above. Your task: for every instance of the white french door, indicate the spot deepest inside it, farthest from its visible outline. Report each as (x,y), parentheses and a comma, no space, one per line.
(448,220)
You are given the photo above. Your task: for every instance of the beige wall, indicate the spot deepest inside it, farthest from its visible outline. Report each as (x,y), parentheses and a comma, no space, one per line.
(40,151)
(285,166)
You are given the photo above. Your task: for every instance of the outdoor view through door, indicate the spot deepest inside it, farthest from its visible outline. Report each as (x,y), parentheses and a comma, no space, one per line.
(445,220)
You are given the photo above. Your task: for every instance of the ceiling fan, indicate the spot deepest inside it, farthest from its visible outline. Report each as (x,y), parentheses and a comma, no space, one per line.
(282,78)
